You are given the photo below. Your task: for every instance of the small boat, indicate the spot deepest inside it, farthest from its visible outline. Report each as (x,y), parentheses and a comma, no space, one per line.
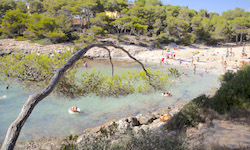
(3,97)
(74,112)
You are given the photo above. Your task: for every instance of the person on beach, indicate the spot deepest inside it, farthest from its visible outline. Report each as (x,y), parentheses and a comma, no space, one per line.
(198,59)
(187,66)
(194,69)
(192,61)
(167,62)
(235,66)
(231,53)
(206,70)
(180,61)
(243,52)
(227,54)
(162,61)
(225,66)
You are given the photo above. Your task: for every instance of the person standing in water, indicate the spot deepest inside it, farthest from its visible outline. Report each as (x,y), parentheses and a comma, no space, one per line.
(194,69)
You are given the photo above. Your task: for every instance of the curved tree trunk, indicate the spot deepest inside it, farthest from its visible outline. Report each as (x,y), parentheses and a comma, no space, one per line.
(16,127)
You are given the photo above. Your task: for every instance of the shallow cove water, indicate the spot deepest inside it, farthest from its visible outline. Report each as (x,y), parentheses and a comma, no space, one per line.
(50,118)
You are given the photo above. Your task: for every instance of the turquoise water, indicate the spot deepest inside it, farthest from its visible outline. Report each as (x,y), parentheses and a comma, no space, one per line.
(50,117)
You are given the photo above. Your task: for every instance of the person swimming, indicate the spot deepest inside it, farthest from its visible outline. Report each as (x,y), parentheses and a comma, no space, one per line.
(168,94)
(185,74)
(6,87)
(74,109)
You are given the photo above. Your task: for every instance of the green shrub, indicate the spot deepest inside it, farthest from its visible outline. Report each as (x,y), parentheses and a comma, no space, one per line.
(157,44)
(123,38)
(144,140)
(142,44)
(20,38)
(163,38)
(56,36)
(98,30)
(174,72)
(147,140)
(83,41)
(234,92)
(190,116)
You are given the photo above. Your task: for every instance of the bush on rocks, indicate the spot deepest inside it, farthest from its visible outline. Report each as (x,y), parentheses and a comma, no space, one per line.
(234,94)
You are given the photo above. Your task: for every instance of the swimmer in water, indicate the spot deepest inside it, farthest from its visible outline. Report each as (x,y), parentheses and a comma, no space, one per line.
(74,109)
(6,88)
(185,74)
(166,94)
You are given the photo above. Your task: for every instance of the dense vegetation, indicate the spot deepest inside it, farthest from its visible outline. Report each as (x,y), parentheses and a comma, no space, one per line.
(233,99)
(35,71)
(51,20)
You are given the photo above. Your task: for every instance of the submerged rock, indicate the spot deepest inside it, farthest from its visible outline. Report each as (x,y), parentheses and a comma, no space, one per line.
(162,111)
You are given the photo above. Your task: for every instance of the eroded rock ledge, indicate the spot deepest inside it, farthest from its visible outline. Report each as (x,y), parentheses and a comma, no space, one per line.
(152,121)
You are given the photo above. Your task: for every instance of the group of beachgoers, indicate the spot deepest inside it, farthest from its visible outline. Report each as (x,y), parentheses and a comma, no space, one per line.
(230,56)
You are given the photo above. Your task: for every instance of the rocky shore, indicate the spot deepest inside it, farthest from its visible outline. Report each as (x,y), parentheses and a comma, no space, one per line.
(7,45)
(152,121)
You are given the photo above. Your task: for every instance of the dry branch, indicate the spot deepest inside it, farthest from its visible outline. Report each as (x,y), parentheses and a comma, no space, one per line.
(110,59)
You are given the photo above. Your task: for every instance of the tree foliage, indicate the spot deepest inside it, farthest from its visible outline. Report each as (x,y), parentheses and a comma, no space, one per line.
(14,22)
(146,17)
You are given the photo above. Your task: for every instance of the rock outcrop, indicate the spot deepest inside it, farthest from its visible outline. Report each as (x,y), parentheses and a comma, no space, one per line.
(153,121)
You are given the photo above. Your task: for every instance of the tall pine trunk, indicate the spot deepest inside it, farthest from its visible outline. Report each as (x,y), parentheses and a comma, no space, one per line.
(236,39)
(241,38)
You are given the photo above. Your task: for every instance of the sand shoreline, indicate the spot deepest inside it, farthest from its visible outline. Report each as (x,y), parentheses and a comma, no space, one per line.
(209,57)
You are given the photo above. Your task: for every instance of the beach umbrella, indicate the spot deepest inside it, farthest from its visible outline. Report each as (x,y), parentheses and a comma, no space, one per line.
(167,54)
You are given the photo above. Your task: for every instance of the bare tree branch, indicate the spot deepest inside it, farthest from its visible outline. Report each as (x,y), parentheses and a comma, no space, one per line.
(110,59)
(16,127)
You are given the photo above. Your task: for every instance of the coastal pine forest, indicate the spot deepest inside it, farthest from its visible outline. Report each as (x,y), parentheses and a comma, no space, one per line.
(65,20)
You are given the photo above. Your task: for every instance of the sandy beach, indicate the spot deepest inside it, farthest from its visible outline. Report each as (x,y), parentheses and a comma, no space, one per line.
(209,57)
